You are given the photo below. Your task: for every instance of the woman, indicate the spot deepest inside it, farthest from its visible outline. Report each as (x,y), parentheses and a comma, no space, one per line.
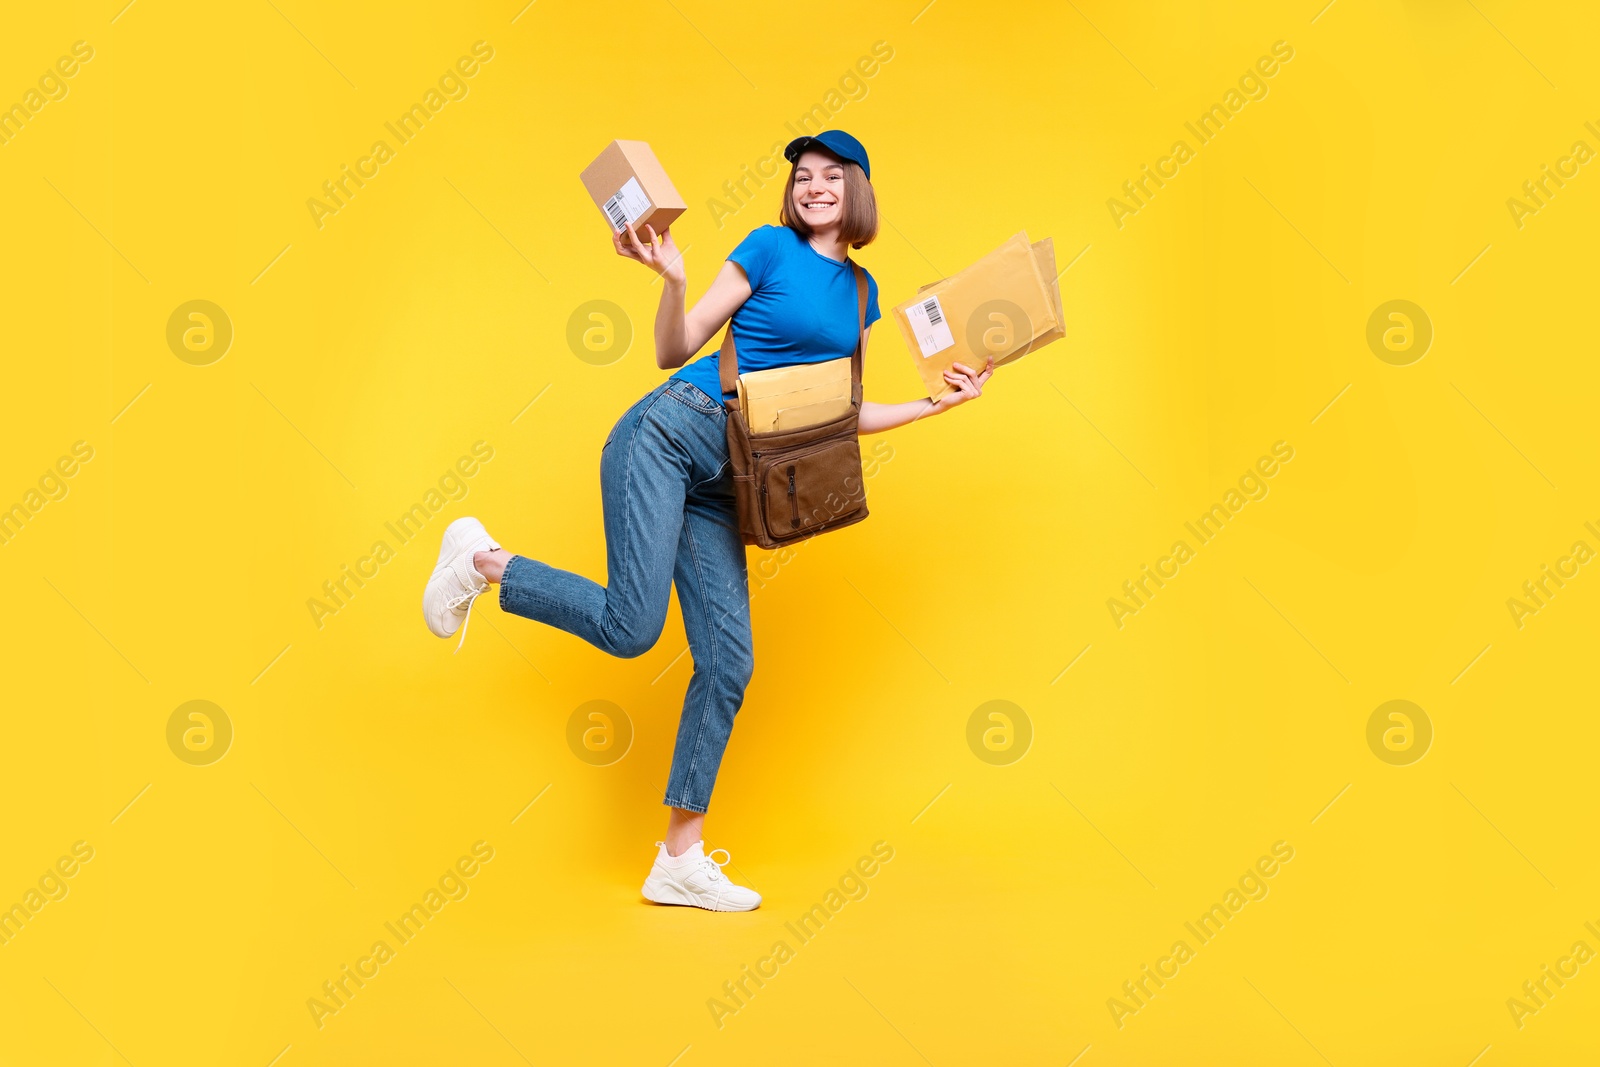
(667,489)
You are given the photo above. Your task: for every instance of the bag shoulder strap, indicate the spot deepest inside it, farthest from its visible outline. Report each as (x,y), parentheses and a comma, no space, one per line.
(857,357)
(728,358)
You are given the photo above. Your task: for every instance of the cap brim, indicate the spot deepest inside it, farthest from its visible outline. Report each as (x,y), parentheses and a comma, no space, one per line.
(792,151)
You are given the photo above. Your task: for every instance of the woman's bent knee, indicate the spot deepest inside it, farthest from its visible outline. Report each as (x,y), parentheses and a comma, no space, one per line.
(633,642)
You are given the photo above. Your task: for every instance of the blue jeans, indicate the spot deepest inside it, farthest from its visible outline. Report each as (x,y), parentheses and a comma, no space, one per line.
(667,490)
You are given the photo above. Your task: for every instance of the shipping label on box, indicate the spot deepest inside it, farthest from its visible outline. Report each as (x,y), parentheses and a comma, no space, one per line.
(628,205)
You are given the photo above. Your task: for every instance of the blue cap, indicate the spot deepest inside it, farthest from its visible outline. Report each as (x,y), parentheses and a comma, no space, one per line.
(836,142)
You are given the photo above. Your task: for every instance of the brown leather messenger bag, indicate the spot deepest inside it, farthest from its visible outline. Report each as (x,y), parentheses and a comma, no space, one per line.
(794,484)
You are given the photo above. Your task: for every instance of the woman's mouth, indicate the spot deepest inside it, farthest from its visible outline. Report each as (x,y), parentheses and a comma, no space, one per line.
(819,205)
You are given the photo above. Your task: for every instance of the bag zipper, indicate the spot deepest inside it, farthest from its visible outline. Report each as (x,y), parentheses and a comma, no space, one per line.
(763,493)
(794,503)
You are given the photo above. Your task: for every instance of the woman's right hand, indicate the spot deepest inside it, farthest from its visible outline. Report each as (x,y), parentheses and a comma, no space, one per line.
(663,258)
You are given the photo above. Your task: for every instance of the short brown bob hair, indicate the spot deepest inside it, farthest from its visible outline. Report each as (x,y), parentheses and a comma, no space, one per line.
(859,226)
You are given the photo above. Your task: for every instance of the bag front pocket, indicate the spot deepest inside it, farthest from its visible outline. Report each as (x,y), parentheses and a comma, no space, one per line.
(810,489)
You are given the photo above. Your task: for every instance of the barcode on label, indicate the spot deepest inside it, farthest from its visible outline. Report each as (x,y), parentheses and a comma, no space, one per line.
(629,204)
(929,327)
(616,212)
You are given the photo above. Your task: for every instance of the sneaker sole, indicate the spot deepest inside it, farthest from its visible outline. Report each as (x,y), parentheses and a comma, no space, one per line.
(658,891)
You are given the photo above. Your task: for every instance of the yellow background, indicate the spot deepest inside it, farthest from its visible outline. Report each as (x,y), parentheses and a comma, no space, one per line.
(1225,716)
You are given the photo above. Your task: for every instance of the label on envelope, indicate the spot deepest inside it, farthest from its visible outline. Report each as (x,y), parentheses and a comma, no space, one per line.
(629,204)
(930,327)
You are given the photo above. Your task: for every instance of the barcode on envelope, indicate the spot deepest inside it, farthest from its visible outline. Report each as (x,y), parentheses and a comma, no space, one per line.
(929,327)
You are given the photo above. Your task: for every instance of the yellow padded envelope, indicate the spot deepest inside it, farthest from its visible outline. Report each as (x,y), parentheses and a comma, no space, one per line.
(972,314)
(793,398)
(1045,253)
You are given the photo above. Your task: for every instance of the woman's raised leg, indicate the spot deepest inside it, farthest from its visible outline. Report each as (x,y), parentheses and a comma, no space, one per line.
(645,471)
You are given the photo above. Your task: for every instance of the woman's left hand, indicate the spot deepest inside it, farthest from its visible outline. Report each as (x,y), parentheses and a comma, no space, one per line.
(968,384)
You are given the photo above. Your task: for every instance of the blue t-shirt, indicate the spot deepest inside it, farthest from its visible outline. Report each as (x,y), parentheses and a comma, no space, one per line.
(802,308)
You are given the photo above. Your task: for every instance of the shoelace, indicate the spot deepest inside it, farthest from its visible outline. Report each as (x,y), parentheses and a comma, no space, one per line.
(713,866)
(470,598)
(709,862)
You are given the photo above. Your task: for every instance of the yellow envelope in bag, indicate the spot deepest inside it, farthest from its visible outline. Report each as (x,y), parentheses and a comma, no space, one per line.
(998,306)
(812,407)
(795,397)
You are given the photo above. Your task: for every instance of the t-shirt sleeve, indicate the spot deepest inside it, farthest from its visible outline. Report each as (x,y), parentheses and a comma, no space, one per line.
(873,315)
(755,254)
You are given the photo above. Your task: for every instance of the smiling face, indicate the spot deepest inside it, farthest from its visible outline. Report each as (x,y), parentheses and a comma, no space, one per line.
(818,191)
(826,197)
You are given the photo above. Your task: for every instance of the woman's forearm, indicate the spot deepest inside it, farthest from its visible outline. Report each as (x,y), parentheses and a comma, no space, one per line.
(672,342)
(875,418)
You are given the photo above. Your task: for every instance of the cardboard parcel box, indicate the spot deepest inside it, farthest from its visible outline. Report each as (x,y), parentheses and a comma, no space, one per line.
(1007,304)
(629,185)
(795,397)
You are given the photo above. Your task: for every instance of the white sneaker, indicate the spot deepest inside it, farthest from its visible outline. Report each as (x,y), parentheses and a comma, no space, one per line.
(696,879)
(456,583)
